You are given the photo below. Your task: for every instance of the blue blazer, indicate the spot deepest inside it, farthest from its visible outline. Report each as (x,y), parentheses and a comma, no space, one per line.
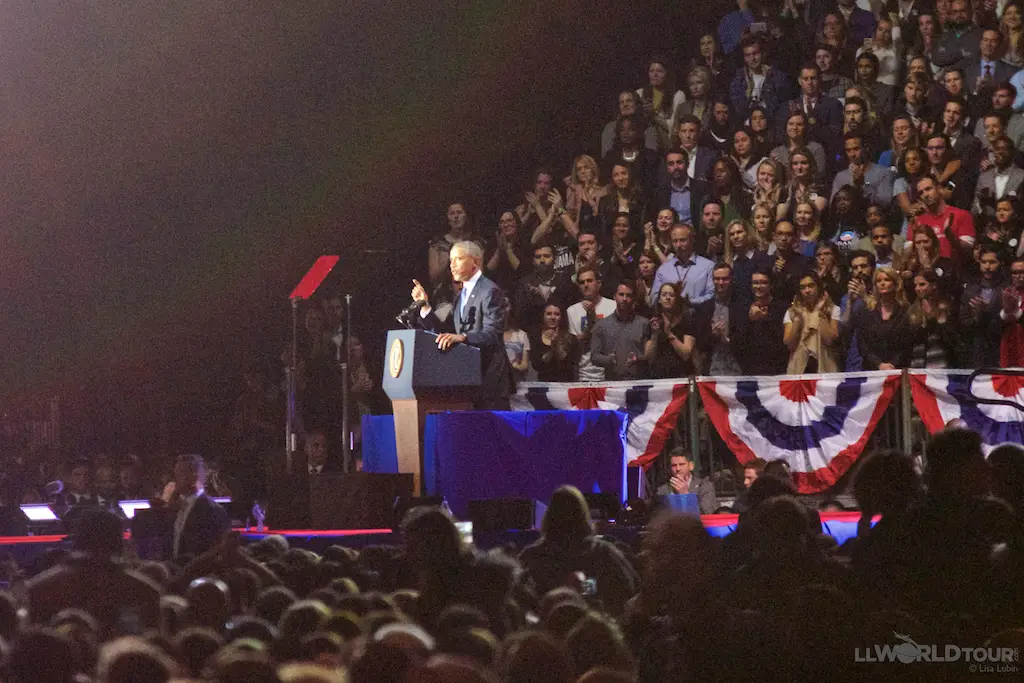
(484,326)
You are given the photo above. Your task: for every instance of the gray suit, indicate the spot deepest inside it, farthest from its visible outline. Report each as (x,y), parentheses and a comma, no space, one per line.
(483,323)
(704,489)
(985,193)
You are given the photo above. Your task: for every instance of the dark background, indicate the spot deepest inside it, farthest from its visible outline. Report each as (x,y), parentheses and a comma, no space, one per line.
(170,171)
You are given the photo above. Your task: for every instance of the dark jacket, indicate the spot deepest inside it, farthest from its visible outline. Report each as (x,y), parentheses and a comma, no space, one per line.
(698,192)
(205,524)
(883,341)
(484,326)
(758,345)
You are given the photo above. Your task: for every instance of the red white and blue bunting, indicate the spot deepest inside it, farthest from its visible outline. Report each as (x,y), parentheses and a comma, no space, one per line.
(652,408)
(942,395)
(820,424)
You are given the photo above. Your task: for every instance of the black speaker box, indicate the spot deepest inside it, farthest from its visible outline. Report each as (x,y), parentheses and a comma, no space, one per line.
(360,500)
(502,514)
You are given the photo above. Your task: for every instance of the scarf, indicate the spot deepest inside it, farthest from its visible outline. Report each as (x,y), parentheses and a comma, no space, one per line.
(810,345)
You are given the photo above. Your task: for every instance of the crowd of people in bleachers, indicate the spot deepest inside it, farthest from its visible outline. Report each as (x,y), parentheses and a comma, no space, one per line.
(823,187)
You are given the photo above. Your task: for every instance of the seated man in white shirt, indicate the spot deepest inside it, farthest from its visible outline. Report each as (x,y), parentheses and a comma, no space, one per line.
(583,316)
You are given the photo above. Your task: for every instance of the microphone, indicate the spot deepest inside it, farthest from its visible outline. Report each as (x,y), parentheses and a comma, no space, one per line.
(415,306)
(405,317)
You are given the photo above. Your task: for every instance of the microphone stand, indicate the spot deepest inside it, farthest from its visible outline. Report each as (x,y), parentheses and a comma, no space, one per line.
(291,388)
(346,446)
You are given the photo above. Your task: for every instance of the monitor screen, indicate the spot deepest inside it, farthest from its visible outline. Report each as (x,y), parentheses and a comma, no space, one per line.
(39,513)
(222,500)
(128,507)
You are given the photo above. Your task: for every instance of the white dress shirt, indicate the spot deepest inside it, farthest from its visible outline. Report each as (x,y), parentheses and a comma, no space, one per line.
(467,290)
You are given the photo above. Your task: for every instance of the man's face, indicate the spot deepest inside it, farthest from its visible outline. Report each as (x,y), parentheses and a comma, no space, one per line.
(913,92)
(958,12)
(993,129)
(929,192)
(881,238)
(712,217)
(588,245)
(627,104)
(106,482)
(1003,152)
(952,116)
(784,232)
(543,260)
(682,242)
(1002,99)
(823,58)
(860,268)
(186,479)
(129,478)
(989,47)
(854,115)
(749,477)
(989,265)
(680,466)
(78,482)
(854,150)
(590,286)
(543,185)
(721,113)
(954,82)
(810,82)
(316,449)
(936,150)
(624,300)
(688,134)
(463,266)
(677,168)
(752,57)
(722,278)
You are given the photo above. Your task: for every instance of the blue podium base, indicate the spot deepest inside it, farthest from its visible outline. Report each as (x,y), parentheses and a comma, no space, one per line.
(475,455)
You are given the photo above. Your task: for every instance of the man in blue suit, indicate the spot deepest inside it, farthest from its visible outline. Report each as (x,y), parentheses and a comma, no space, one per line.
(479,320)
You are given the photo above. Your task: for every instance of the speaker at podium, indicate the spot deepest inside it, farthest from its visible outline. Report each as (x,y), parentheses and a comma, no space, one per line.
(419,378)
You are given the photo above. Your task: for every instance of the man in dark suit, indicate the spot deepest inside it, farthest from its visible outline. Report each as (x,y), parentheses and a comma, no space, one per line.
(983,73)
(318,460)
(824,113)
(479,320)
(680,191)
(200,521)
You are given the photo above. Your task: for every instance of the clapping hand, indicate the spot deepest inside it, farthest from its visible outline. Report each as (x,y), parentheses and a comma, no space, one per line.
(680,483)
(1010,301)
(555,197)
(855,290)
(758,312)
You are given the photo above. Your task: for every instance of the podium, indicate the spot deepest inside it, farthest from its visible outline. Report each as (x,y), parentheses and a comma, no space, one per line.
(419,378)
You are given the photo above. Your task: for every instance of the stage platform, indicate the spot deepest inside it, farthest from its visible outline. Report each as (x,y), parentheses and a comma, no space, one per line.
(24,549)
